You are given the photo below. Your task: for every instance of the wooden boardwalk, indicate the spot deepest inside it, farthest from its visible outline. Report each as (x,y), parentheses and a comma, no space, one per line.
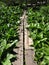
(25,52)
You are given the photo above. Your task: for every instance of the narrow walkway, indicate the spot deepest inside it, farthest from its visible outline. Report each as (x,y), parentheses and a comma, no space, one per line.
(19,50)
(25,52)
(29,51)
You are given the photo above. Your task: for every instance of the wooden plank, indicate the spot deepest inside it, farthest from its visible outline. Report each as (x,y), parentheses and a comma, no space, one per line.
(29,53)
(19,50)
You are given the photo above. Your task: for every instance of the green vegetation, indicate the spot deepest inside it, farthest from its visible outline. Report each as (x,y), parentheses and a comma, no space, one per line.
(38,22)
(9,23)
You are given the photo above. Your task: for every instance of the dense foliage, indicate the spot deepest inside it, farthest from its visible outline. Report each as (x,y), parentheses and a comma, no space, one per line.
(38,22)
(9,23)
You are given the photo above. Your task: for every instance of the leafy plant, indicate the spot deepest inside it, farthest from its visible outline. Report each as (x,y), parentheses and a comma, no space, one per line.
(38,22)
(9,36)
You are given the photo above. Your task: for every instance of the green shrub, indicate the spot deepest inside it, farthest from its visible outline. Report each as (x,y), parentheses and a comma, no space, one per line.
(38,22)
